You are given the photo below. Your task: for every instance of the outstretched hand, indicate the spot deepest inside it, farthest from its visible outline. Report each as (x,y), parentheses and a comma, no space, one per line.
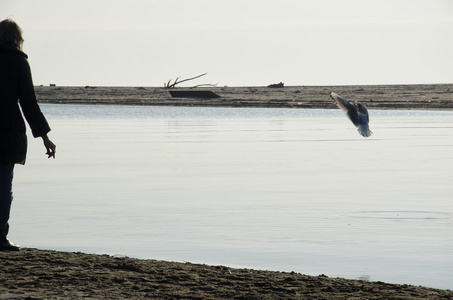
(50,147)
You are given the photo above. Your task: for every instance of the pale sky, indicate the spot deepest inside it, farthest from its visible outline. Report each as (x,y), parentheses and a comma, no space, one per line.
(237,42)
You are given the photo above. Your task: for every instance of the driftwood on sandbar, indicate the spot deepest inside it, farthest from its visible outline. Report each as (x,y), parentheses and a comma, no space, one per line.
(193,94)
(170,85)
(276,85)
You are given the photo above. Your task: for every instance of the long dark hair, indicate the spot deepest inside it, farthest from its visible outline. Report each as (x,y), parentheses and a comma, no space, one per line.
(11,34)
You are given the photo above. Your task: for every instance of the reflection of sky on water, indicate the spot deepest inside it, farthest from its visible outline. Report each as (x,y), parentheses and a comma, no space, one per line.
(280,189)
(176,112)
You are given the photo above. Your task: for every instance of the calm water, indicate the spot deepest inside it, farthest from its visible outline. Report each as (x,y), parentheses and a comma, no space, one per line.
(277,189)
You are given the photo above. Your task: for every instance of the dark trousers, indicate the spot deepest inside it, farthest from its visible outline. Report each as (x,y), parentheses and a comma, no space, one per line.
(6,196)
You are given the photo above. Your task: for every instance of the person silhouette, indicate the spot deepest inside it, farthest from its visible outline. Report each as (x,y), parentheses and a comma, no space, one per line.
(16,93)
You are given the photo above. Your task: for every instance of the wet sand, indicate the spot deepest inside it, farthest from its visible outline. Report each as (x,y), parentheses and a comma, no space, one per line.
(45,274)
(434,96)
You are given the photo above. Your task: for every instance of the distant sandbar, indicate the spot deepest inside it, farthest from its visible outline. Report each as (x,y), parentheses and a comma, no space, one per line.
(426,96)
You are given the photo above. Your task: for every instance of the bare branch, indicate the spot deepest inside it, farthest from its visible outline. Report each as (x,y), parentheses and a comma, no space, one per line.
(167,85)
(204,85)
(170,86)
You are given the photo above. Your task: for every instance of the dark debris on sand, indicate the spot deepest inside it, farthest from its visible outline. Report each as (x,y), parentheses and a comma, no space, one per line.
(45,274)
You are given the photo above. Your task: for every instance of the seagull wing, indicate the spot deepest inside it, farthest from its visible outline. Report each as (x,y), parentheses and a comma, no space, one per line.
(362,111)
(347,107)
(364,119)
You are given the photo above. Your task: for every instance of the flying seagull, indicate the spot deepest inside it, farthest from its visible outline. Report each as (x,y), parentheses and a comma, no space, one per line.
(357,113)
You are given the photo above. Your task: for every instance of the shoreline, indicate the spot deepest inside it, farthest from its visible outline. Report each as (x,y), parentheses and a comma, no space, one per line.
(47,274)
(427,97)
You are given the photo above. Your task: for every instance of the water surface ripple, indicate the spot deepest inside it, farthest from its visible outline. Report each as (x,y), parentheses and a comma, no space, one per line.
(278,189)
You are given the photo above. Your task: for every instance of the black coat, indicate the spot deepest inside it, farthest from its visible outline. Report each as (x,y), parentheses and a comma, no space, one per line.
(16,87)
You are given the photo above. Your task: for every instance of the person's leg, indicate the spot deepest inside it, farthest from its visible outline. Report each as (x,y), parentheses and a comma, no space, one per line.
(6,197)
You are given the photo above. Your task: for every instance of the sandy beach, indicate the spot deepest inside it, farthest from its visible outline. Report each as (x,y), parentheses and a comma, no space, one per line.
(433,96)
(45,274)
